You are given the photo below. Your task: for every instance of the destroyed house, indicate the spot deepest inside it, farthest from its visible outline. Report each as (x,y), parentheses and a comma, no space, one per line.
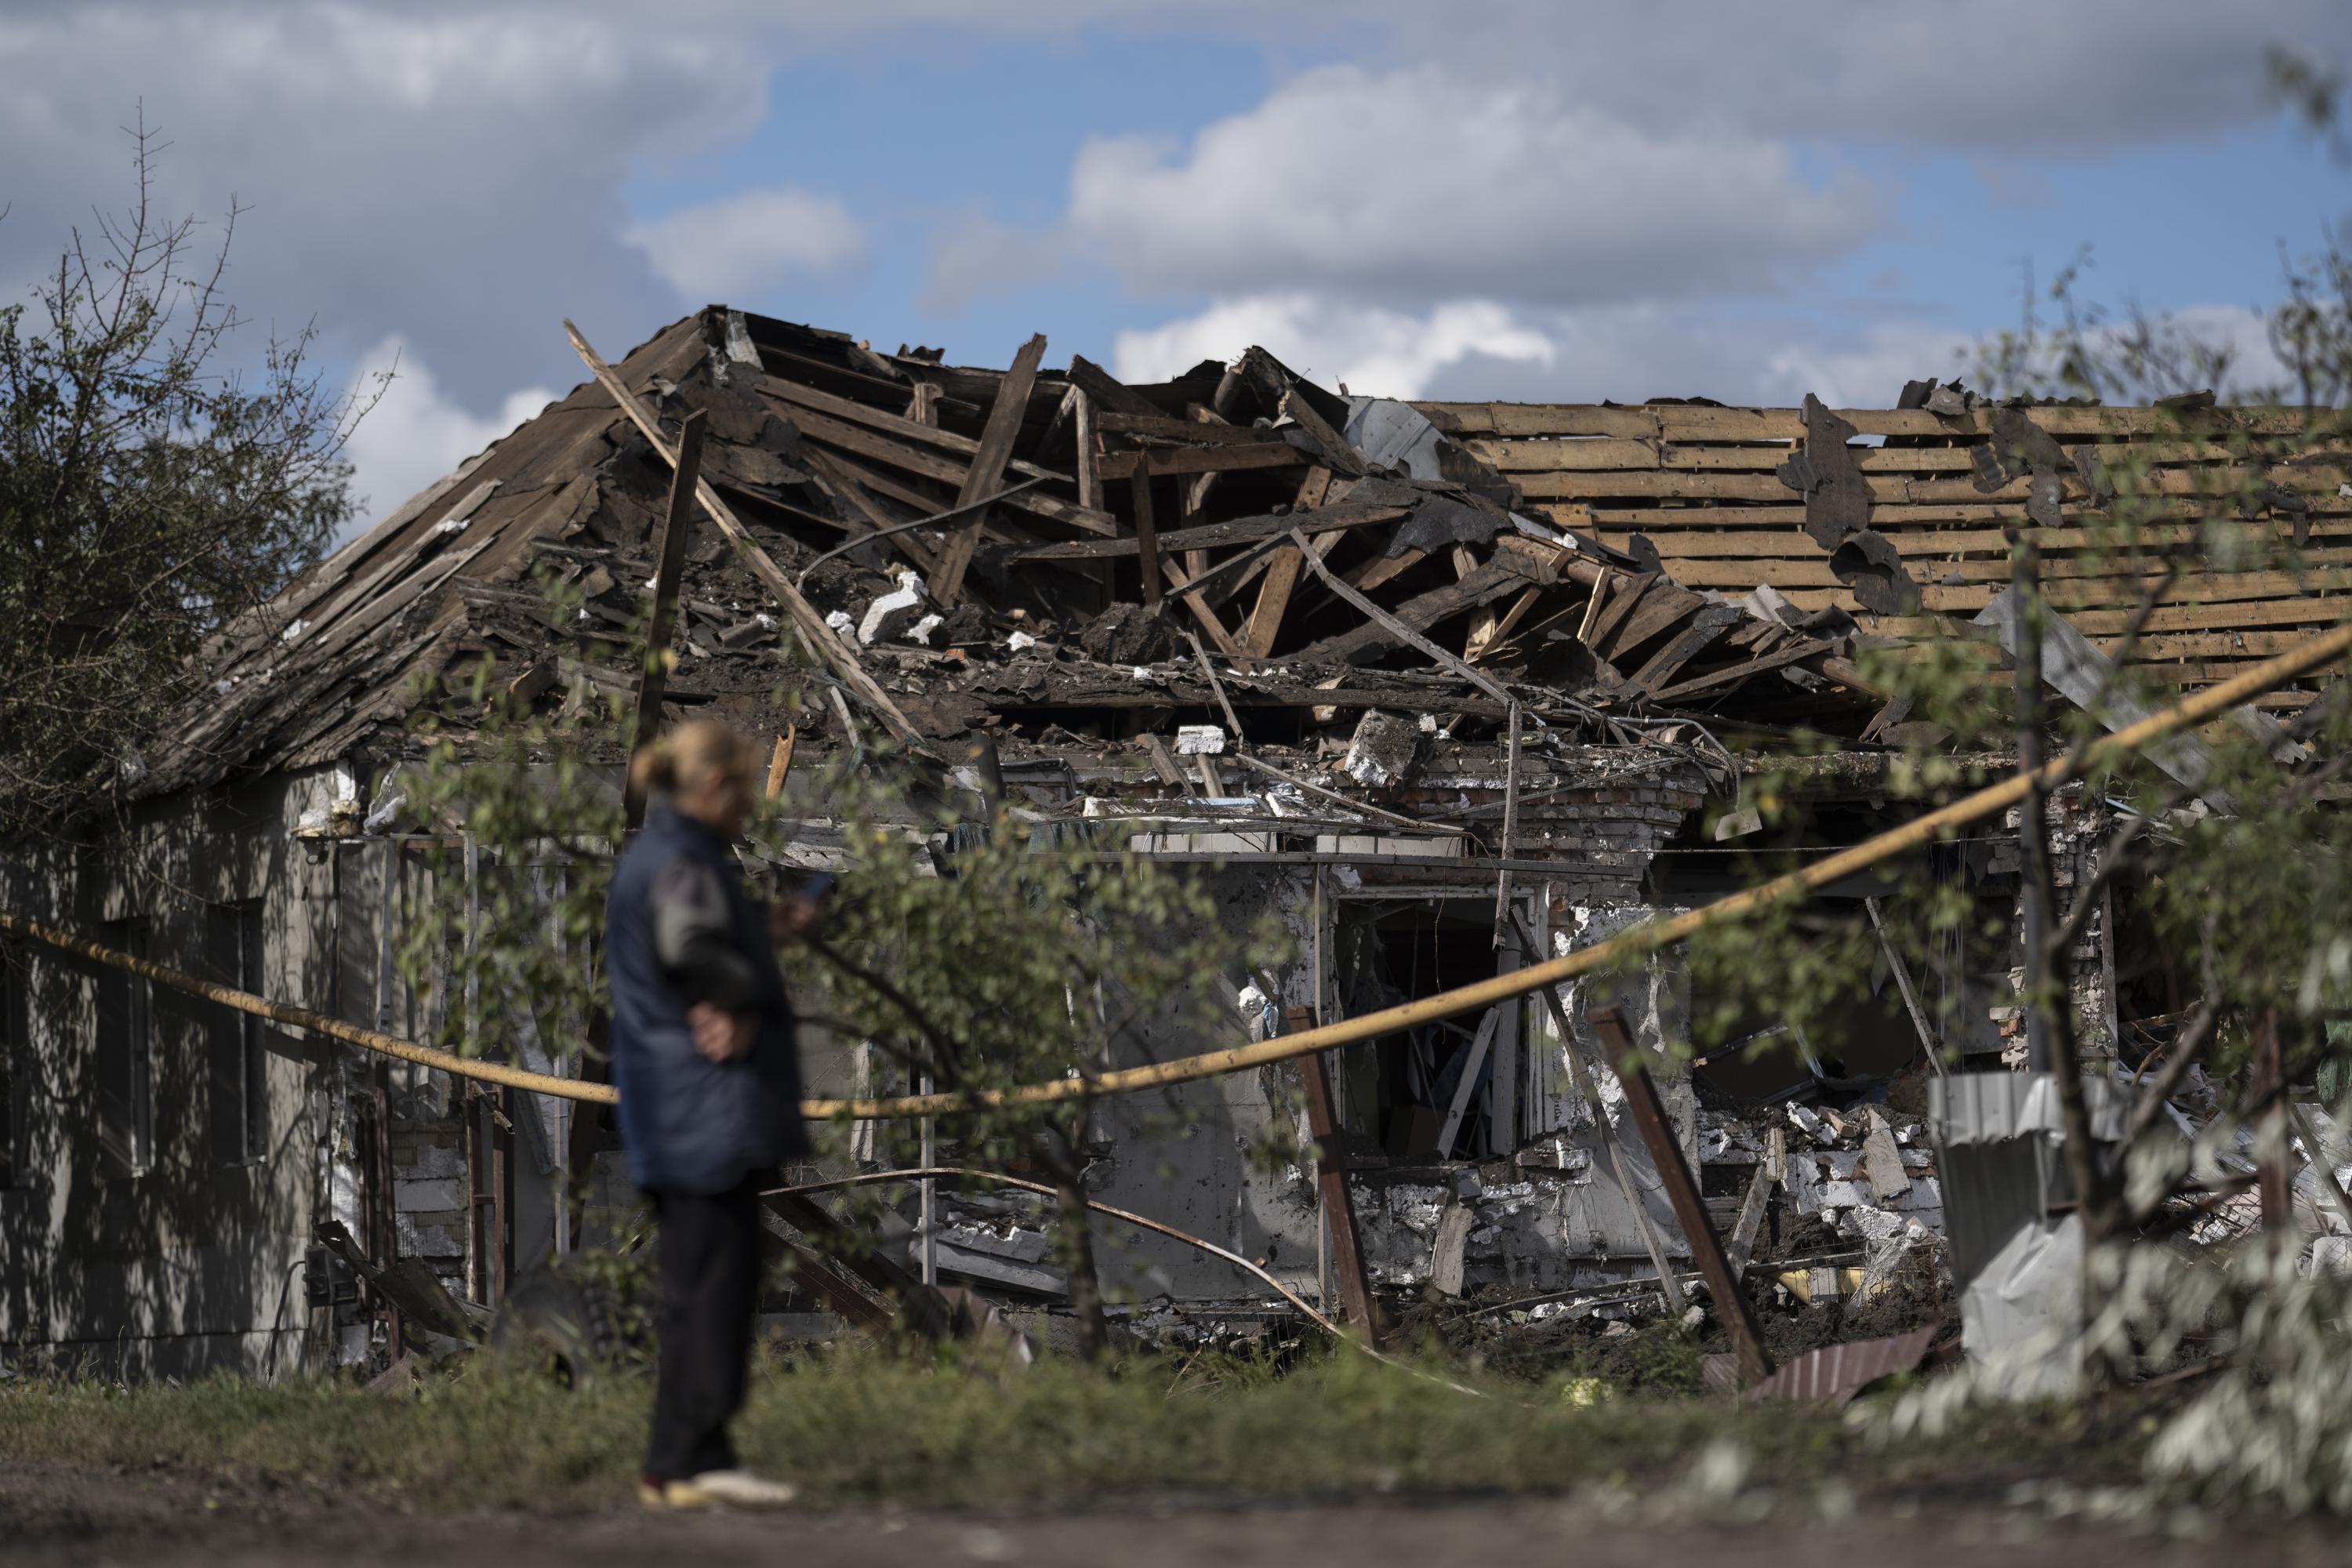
(1432,681)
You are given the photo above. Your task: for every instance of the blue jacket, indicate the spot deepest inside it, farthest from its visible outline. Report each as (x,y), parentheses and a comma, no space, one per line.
(692,1125)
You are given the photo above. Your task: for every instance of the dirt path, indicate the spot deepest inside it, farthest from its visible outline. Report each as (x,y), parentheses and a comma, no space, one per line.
(159,1518)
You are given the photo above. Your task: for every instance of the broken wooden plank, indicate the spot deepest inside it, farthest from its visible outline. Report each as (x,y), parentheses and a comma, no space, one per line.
(1218,583)
(1663,605)
(834,472)
(1705,629)
(1505,626)
(1164,460)
(1169,428)
(1403,633)
(1162,762)
(1624,597)
(1111,395)
(986,474)
(1089,474)
(1331,1181)
(1146,537)
(670,554)
(1209,535)
(780,760)
(1795,653)
(914,448)
(1732,1309)
(821,637)
(1451,1128)
(1381,568)
(1210,623)
(1273,599)
(1488,581)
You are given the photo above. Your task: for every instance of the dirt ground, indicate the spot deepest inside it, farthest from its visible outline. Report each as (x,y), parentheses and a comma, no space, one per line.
(158,1517)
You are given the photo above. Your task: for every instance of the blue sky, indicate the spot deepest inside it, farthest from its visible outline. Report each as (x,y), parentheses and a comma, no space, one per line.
(1509,199)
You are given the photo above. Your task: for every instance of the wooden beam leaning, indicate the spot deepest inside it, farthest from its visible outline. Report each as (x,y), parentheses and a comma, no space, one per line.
(1794,653)
(1327,522)
(1192,601)
(936,453)
(1731,1305)
(653,672)
(1403,633)
(822,638)
(1147,537)
(844,485)
(1281,570)
(1090,470)
(986,474)
(1486,582)
(1331,1176)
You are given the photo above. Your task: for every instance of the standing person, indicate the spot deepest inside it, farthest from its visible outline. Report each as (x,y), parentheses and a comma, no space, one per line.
(708,1073)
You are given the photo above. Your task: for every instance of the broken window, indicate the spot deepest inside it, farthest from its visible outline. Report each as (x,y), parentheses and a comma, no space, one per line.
(239,1042)
(126,1055)
(1406,1093)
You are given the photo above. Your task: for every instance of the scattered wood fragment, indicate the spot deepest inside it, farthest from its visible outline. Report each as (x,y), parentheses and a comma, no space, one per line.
(986,474)
(821,637)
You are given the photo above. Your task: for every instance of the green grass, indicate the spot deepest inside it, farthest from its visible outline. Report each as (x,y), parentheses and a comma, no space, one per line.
(853,1424)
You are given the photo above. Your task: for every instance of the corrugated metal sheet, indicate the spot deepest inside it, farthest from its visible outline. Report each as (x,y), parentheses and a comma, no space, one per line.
(1836,1374)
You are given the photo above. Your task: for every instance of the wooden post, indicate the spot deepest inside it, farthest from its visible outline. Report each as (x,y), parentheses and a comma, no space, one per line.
(1147,537)
(2272,1177)
(669,550)
(1331,1177)
(1650,1115)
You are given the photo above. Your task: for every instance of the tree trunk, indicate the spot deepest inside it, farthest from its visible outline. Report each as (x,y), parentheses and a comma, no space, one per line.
(2049,1002)
(1076,1243)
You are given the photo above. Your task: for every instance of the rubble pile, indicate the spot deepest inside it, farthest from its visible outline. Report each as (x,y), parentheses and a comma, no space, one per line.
(1032,553)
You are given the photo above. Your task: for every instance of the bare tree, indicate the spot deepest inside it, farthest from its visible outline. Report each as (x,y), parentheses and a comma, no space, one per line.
(153,483)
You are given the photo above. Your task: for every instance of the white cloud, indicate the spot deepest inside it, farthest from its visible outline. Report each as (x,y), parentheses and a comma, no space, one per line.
(454,176)
(1865,373)
(1376,353)
(734,250)
(417,433)
(2008,78)
(1419,184)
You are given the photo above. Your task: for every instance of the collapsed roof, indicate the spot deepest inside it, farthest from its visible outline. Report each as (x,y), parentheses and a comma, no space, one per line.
(1611,571)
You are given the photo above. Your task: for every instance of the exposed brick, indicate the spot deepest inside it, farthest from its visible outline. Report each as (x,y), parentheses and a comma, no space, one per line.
(431,1236)
(439,1160)
(417,1197)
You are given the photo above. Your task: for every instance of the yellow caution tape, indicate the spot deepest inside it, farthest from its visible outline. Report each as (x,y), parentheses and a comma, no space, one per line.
(1647,937)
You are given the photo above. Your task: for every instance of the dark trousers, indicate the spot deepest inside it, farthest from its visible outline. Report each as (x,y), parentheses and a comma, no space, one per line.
(709,1249)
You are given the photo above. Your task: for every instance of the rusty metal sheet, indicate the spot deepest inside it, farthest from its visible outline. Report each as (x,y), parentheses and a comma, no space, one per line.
(1833,1374)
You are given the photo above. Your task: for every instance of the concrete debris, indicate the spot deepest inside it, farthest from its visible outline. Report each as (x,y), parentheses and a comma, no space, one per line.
(1199,740)
(889,617)
(1383,749)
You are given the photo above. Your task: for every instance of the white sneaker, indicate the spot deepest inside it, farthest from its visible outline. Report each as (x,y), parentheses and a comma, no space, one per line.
(731,1489)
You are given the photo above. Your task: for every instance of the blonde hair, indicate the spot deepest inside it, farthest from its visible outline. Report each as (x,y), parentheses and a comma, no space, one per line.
(689,756)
